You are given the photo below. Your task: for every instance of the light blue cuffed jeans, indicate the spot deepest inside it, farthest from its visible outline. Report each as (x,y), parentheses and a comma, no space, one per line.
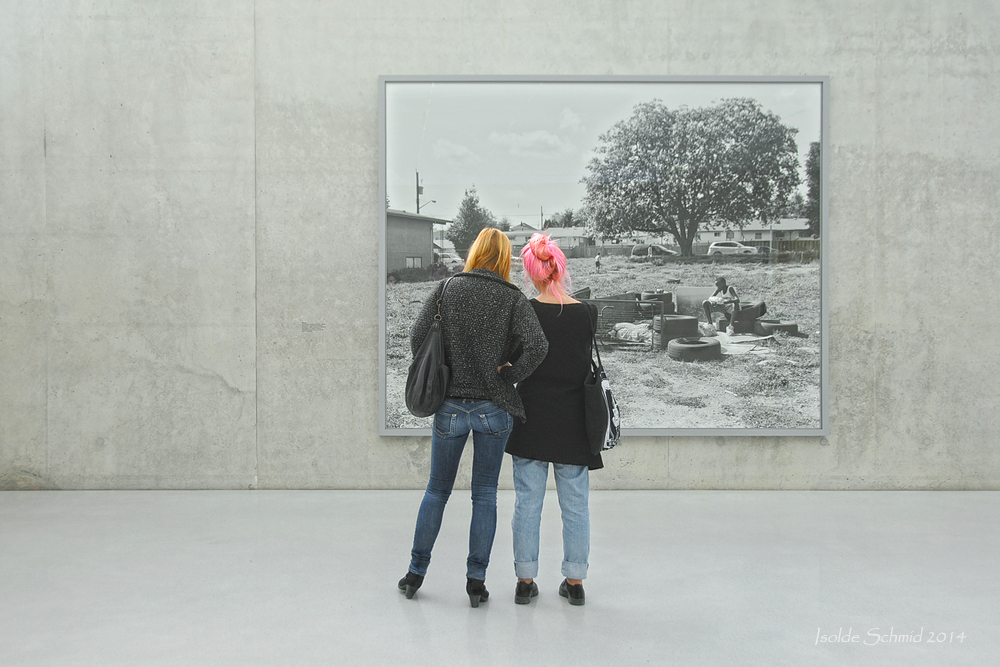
(573,489)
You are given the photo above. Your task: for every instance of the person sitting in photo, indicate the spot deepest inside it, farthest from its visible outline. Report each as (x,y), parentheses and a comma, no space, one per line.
(724,300)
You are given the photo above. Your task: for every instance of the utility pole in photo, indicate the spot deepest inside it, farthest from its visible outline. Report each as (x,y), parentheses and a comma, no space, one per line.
(420,191)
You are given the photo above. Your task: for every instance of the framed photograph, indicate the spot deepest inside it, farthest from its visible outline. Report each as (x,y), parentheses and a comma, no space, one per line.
(692,211)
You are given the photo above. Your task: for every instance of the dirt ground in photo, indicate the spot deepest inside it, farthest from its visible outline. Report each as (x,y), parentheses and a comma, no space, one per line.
(775,387)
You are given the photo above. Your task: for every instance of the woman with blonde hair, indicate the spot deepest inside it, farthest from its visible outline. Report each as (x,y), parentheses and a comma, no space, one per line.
(555,430)
(492,340)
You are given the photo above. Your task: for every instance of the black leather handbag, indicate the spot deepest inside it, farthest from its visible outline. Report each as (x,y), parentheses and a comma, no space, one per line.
(428,377)
(601,413)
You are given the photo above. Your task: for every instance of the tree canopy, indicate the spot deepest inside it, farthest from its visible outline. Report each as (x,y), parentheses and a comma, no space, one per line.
(674,171)
(796,206)
(567,218)
(811,207)
(471,219)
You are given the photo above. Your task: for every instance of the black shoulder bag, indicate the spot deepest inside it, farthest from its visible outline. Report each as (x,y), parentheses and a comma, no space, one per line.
(603,419)
(427,380)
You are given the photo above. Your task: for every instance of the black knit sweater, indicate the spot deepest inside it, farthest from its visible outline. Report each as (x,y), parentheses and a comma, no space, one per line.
(487,322)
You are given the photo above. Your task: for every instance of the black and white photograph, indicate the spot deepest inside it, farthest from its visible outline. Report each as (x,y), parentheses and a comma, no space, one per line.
(690,212)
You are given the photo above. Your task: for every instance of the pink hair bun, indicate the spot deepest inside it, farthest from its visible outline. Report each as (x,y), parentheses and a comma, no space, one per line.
(545,265)
(540,247)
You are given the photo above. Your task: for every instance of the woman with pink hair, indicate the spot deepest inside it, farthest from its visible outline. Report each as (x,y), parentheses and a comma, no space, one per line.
(554,431)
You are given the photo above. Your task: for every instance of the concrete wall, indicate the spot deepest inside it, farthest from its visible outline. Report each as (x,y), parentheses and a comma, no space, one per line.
(185,186)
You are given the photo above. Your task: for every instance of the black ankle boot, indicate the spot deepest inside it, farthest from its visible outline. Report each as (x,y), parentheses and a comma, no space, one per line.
(572,592)
(525,591)
(410,583)
(476,588)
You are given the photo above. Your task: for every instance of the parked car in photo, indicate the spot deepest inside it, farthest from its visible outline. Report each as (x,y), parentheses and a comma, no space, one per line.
(451,260)
(730,248)
(653,251)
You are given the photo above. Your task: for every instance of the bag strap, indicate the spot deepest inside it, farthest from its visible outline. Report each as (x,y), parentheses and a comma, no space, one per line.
(470,275)
(440,298)
(593,333)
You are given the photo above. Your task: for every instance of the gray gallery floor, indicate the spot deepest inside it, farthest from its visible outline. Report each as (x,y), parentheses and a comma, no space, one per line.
(676,578)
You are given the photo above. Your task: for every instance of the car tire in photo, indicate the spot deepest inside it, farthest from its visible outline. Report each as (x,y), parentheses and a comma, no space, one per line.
(694,349)
(768,327)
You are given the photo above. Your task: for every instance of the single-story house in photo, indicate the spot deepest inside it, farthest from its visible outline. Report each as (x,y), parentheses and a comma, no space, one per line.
(567,237)
(409,240)
(757,233)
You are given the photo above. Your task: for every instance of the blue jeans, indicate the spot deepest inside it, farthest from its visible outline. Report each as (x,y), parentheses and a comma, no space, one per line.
(573,489)
(490,426)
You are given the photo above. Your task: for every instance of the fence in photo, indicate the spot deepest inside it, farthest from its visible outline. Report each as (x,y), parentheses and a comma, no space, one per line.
(796,250)
(591,251)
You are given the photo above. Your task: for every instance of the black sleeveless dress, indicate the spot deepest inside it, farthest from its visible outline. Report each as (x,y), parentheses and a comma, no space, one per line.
(554,430)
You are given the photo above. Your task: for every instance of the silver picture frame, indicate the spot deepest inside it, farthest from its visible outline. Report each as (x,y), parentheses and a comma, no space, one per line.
(534,152)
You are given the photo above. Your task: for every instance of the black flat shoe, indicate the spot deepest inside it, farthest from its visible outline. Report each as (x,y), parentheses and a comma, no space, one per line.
(524,592)
(476,588)
(410,583)
(572,592)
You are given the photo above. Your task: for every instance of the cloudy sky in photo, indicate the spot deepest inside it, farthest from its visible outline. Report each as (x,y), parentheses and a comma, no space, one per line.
(525,146)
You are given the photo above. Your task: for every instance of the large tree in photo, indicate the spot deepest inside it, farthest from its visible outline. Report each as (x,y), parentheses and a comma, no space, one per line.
(812,188)
(675,171)
(471,219)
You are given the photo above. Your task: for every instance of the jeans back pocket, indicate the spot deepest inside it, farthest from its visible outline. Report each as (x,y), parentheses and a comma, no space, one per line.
(496,422)
(444,423)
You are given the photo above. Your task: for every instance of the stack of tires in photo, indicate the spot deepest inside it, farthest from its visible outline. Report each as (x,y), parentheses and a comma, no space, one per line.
(679,334)
(666,324)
